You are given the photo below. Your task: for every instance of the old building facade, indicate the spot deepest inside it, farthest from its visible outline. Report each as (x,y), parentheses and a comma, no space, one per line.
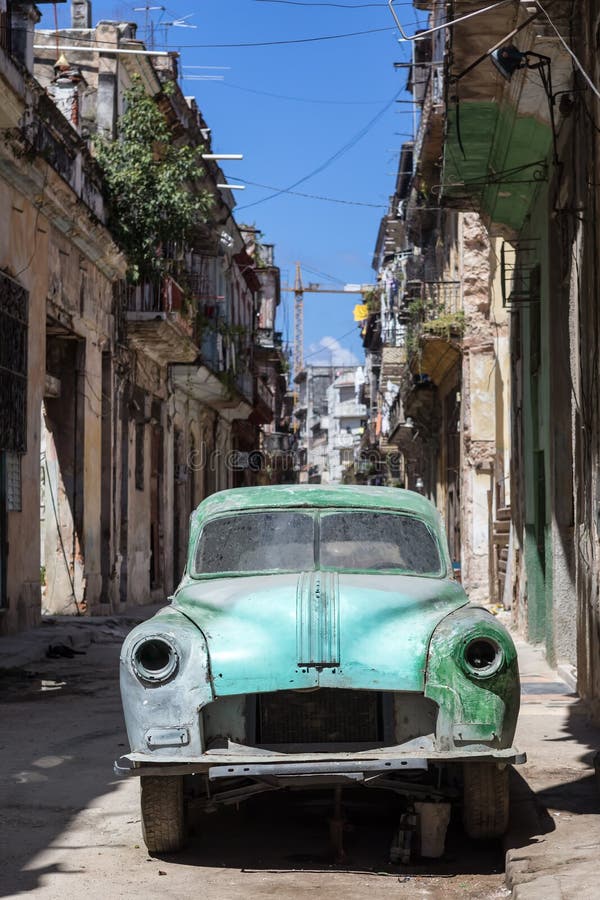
(517,174)
(129,403)
(58,265)
(436,341)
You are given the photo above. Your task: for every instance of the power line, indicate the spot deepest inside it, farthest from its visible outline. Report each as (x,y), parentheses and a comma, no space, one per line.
(239,87)
(337,5)
(324,349)
(103,45)
(323,274)
(270,187)
(346,147)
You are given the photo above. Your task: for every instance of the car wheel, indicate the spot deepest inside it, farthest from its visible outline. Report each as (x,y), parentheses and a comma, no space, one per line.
(485,800)
(163,825)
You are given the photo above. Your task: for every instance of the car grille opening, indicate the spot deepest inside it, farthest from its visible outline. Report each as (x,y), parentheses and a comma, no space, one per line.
(322,716)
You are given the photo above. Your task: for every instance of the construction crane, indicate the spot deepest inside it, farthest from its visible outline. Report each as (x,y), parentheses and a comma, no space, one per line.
(299,289)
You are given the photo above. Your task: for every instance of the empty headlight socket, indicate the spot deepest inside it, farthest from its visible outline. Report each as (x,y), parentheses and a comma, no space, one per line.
(481,656)
(154,659)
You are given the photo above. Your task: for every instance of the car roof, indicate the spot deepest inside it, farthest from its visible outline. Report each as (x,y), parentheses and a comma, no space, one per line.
(318,496)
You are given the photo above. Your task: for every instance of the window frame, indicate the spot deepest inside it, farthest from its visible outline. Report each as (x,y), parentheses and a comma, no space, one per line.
(316,513)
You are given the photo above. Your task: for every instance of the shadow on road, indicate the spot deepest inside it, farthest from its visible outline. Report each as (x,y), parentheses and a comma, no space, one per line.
(289,831)
(61,725)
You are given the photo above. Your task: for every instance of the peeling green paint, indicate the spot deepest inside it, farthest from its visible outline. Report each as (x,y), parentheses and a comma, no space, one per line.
(492,703)
(252,631)
(496,140)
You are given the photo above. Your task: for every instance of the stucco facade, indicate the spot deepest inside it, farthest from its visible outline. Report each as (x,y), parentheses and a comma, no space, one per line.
(123,404)
(57,253)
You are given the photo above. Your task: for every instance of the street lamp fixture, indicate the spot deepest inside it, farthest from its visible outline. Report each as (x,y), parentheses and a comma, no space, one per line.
(509,58)
(222,155)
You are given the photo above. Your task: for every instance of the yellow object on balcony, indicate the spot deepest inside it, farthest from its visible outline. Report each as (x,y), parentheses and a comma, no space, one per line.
(361,312)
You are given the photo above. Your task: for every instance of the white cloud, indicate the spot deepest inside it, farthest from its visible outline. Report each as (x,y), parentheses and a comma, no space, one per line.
(329,352)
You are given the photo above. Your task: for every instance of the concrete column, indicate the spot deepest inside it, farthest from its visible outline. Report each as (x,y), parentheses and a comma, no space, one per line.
(81,14)
(24,17)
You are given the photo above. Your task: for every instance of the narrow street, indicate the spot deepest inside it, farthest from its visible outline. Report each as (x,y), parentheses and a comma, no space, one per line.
(71,829)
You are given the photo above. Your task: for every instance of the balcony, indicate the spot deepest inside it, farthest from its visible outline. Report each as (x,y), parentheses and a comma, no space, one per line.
(435,324)
(222,392)
(349,409)
(430,133)
(371,333)
(266,338)
(393,362)
(262,412)
(157,325)
(499,138)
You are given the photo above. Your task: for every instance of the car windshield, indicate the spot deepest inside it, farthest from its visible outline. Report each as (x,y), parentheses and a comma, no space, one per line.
(291,541)
(381,541)
(280,541)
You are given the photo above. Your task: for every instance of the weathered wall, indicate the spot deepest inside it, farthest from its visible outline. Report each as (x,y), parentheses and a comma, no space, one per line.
(23,251)
(80,301)
(485,402)
(580,196)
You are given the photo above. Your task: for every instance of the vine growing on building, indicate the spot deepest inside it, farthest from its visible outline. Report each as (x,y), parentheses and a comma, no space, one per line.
(152,185)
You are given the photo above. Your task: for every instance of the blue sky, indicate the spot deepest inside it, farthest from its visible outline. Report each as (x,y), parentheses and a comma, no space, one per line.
(341,86)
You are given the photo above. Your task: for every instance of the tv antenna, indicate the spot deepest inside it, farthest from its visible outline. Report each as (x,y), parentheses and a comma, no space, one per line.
(177,23)
(148,24)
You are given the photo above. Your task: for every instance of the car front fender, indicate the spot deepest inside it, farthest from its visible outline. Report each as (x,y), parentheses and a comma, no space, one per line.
(165,716)
(474,711)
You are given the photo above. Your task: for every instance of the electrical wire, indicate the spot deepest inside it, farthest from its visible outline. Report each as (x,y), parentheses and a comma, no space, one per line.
(239,87)
(323,274)
(568,49)
(105,45)
(339,153)
(337,5)
(324,349)
(422,34)
(270,187)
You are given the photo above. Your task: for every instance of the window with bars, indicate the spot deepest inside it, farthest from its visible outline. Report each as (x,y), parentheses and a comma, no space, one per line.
(14,301)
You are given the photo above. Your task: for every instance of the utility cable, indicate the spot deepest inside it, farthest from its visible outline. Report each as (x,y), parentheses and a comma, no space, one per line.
(270,187)
(337,339)
(337,5)
(422,34)
(568,49)
(322,274)
(346,147)
(239,87)
(103,45)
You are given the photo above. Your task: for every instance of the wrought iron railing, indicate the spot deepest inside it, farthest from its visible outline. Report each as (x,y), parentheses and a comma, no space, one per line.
(14,304)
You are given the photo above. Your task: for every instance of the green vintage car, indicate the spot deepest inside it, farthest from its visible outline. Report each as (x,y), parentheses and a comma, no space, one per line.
(318,638)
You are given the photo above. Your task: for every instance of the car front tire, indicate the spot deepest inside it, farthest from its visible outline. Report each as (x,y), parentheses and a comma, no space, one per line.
(485,800)
(163,821)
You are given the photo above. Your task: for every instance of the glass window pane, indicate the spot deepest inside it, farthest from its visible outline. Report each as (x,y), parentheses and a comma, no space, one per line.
(257,542)
(381,541)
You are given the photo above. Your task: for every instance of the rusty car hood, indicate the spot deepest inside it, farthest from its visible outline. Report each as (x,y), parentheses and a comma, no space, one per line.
(301,630)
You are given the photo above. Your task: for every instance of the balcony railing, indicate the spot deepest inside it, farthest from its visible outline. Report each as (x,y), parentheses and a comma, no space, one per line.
(430,299)
(279,442)
(264,393)
(164,296)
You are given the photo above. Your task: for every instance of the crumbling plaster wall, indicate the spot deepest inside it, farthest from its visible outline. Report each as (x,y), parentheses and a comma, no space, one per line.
(24,235)
(80,298)
(483,402)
